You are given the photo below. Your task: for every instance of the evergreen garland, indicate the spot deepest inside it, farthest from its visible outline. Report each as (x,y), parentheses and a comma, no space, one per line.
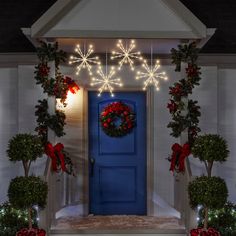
(58,87)
(55,122)
(181,90)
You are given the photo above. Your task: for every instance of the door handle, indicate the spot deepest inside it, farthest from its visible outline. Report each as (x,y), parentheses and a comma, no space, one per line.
(92,163)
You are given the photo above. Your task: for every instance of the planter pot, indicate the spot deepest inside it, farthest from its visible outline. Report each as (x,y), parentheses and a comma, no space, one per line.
(203,232)
(31,232)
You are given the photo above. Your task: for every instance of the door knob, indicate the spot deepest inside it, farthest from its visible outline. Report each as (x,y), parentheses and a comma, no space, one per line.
(92,163)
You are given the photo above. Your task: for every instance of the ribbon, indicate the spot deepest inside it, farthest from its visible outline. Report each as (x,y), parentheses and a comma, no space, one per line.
(72,86)
(55,152)
(203,232)
(178,156)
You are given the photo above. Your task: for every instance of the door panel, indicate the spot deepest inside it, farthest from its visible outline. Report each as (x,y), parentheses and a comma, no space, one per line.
(118,174)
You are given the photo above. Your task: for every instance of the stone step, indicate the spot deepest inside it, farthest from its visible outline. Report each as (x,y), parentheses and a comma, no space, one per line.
(127,233)
(160,232)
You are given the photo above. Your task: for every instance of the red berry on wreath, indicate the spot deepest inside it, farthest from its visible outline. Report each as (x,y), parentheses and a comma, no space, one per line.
(105,125)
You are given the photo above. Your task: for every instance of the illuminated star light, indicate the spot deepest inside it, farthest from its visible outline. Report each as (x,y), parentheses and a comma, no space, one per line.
(83,59)
(106,81)
(151,75)
(126,54)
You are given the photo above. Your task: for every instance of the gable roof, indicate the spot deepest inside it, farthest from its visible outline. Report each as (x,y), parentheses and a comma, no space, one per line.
(119,19)
(218,14)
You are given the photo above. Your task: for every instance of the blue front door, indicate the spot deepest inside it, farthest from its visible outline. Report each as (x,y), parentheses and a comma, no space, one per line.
(117,164)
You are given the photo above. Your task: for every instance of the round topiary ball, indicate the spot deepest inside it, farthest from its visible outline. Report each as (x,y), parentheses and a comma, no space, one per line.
(209,192)
(24,192)
(25,147)
(210,147)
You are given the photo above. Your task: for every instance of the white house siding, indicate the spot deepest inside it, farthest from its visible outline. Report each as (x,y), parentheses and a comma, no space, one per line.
(227,126)
(28,95)
(8,125)
(19,95)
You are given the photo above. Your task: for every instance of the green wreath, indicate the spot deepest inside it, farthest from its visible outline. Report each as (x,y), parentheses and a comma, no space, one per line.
(117,119)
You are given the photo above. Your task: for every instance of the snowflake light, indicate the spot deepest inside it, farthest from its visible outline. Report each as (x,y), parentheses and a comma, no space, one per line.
(106,81)
(151,74)
(84,59)
(126,54)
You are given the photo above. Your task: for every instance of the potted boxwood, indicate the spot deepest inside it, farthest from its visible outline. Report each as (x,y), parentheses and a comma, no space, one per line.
(26,191)
(210,192)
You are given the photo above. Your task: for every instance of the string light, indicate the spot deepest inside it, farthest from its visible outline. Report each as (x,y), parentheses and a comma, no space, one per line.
(84,59)
(106,81)
(151,75)
(126,54)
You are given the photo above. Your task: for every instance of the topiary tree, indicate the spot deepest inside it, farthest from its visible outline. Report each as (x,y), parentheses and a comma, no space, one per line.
(210,192)
(25,192)
(209,148)
(25,148)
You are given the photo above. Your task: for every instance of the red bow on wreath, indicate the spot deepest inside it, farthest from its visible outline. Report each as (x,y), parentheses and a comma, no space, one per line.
(202,232)
(55,153)
(178,156)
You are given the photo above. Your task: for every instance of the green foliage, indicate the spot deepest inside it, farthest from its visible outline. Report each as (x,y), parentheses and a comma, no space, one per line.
(185,118)
(185,53)
(210,147)
(50,52)
(45,120)
(179,122)
(57,122)
(24,147)
(209,192)
(24,192)
(224,219)
(57,86)
(12,219)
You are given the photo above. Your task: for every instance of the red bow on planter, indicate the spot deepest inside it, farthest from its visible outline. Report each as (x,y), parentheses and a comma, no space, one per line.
(178,156)
(202,232)
(56,154)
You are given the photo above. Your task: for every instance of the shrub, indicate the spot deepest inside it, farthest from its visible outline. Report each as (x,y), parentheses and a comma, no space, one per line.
(24,192)
(12,219)
(210,148)
(210,192)
(25,147)
(224,219)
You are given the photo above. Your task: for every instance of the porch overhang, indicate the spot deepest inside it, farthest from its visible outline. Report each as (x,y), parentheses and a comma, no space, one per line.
(164,19)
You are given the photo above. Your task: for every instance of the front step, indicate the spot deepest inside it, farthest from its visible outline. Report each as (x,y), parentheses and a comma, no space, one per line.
(156,232)
(117,225)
